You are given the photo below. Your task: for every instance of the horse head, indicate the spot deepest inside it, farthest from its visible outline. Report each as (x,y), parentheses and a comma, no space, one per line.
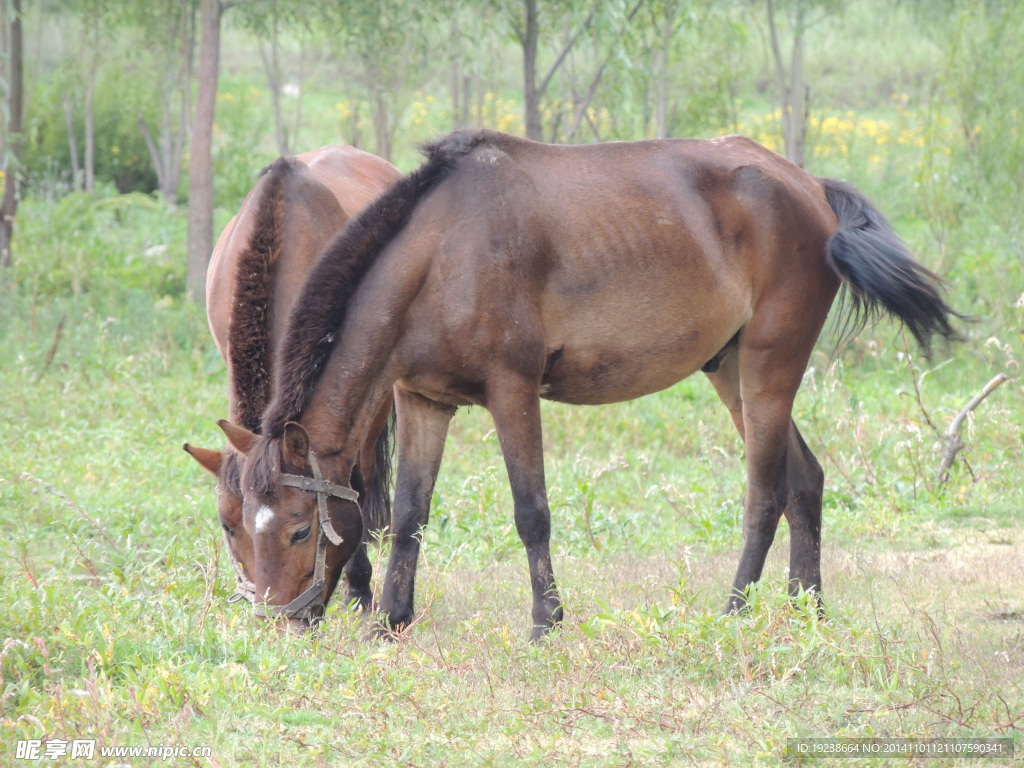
(303,527)
(224,465)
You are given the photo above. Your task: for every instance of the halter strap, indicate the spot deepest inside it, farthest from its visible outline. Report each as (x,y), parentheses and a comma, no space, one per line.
(304,606)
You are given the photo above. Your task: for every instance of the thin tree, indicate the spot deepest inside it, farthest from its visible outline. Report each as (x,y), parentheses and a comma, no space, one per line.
(13,134)
(269,21)
(583,98)
(200,167)
(171,25)
(526,27)
(387,40)
(793,92)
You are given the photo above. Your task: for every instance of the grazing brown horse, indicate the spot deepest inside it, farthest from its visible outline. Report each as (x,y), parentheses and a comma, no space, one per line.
(503,271)
(255,275)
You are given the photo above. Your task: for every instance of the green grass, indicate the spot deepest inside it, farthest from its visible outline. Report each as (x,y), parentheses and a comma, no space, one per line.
(114,580)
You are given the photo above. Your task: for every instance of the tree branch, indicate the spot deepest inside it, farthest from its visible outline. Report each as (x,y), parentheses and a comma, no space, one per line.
(581,108)
(153,152)
(565,52)
(953,443)
(780,71)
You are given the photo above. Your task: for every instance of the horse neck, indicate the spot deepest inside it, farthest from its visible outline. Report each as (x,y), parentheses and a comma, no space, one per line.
(357,380)
(292,267)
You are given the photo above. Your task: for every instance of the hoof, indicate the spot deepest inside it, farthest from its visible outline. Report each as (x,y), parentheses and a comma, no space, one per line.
(736,605)
(359,601)
(391,627)
(543,629)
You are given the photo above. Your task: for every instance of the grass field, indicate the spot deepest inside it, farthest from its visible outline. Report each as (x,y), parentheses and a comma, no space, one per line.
(114,580)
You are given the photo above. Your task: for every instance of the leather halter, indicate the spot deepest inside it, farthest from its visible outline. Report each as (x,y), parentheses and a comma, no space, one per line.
(305,605)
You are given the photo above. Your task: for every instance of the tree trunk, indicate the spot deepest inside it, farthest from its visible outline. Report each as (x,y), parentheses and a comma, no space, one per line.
(272,68)
(296,124)
(12,166)
(581,106)
(185,94)
(791,87)
(200,169)
(90,127)
(356,136)
(532,90)
(174,177)
(69,122)
(467,90)
(154,155)
(664,57)
(380,121)
(531,96)
(453,81)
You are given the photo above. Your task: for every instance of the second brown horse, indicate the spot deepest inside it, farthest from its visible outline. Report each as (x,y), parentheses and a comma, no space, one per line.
(255,275)
(503,271)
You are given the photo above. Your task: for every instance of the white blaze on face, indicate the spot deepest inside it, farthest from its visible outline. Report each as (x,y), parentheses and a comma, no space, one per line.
(263,517)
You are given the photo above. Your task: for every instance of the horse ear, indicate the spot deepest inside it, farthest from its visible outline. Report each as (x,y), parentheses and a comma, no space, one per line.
(295,445)
(209,460)
(241,439)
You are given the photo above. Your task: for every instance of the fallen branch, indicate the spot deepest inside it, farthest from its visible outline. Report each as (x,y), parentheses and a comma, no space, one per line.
(952,442)
(53,347)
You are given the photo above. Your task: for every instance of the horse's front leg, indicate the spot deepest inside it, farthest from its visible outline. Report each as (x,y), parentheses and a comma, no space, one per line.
(358,573)
(422,429)
(514,404)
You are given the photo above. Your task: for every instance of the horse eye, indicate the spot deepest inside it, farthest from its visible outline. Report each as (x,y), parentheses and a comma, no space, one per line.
(227,529)
(302,534)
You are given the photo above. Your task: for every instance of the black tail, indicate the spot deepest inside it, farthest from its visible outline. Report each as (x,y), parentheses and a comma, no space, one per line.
(881,274)
(377,509)
(249,323)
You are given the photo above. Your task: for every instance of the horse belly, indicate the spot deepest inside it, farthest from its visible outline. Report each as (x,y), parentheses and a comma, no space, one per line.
(624,325)
(634,363)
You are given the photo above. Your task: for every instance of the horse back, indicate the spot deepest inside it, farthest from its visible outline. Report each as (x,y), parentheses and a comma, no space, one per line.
(618,258)
(353,176)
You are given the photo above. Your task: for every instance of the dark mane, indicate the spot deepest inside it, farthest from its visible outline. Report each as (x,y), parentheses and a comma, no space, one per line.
(249,324)
(336,275)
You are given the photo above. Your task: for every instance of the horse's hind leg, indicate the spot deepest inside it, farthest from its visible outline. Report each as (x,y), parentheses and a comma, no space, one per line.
(806,482)
(514,404)
(422,429)
(803,486)
(771,360)
(766,465)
